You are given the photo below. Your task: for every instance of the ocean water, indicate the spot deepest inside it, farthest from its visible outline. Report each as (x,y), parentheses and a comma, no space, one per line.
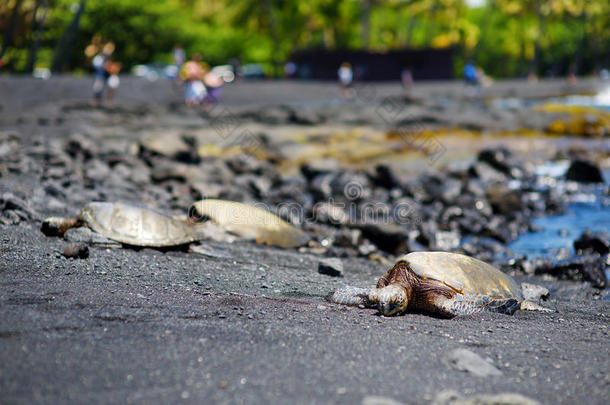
(589,210)
(601,100)
(558,232)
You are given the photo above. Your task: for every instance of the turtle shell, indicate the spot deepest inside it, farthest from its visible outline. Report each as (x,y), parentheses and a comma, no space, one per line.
(249,222)
(138,226)
(464,274)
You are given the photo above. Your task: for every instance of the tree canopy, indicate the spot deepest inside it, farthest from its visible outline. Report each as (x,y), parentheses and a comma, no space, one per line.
(505,37)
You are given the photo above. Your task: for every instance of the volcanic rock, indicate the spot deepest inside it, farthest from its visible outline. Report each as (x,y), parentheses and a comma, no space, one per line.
(331,267)
(584,171)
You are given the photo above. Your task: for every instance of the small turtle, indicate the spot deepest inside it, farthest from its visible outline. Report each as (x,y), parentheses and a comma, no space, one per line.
(446,284)
(127,224)
(248,222)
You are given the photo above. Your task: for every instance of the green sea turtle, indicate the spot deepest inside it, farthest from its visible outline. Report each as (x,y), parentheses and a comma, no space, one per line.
(446,284)
(209,219)
(129,224)
(249,222)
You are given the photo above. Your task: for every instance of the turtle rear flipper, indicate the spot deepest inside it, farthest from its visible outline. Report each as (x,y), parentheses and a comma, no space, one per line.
(472,304)
(532,306)
(349,295)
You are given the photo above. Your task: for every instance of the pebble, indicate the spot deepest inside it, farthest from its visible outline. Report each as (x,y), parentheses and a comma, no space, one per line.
(465,360)
(76,251)
(379,400)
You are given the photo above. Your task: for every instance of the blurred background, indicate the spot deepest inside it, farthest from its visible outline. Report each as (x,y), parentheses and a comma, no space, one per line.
(505,38)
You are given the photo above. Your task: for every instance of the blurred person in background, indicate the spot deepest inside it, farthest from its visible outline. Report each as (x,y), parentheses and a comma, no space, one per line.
(178,55)
(471,76)
(213,84)
(346,76)
(100,74)
(193,73)
(406,78)
(112,71)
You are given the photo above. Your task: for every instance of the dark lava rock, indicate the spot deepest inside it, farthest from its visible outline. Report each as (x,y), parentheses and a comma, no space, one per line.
(81,147)
(320,187)
(160,174)
(578,268)
(483,248)
(257,185)
(279,114)
(584,171)
(438,188)
(407,212)
(76,251)
(387,237)
(345,237)
(589,242)
(504,161)
(498,229)
(384,176)
(188,157)
(475,187)
(486,173)
(504,200)
(323,166)
(331,267)
(330,214)
(496,158)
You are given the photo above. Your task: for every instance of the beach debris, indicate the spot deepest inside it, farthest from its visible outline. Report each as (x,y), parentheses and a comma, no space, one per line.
(446,284)
(248,222)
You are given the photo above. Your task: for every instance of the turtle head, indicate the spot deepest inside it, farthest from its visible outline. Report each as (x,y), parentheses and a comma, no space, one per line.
(392,299)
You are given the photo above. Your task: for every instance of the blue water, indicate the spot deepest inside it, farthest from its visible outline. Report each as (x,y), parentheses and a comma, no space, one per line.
(559,231)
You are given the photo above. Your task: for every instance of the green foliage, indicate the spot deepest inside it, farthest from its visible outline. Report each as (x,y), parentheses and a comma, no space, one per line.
(503,36)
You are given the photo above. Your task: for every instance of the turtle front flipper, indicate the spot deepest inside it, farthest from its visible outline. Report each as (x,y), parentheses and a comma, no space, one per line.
(350,295)
(471,304)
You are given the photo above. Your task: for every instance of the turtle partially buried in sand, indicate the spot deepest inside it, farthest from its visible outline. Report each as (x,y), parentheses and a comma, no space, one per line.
(441,283)
(212,219)
(248,222)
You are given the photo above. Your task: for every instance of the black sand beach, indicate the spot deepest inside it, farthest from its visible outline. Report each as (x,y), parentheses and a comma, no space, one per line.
(247,323)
